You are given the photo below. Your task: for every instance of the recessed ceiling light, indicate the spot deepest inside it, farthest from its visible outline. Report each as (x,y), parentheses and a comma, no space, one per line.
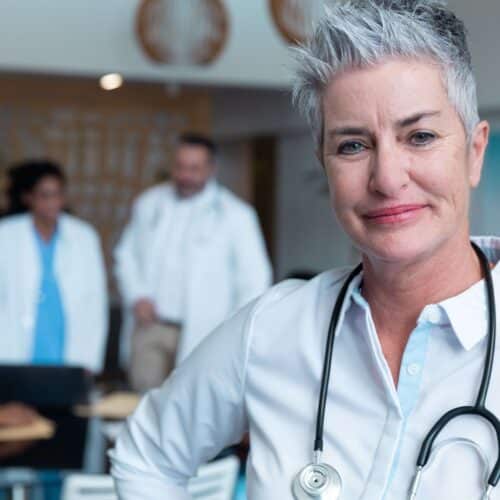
(111,81)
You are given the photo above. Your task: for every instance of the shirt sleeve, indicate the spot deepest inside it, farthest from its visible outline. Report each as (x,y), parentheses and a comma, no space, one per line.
(197,412)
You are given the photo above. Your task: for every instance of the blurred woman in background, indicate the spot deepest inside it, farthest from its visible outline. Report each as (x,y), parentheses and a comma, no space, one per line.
(53,297)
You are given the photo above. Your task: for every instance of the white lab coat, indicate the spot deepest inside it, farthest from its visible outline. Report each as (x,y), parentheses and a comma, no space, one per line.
(227,260)
(260,372)
(80,273)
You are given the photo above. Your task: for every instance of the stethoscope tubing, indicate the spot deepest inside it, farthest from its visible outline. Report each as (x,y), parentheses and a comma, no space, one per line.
(327,364)
(478,409)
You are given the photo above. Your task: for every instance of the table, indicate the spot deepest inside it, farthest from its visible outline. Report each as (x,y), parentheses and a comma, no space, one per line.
(78,445)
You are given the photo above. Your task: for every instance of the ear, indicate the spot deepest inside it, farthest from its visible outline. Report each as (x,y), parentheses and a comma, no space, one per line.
(477,150)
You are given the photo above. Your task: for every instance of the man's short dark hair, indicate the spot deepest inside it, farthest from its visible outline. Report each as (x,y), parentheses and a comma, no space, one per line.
(193,139)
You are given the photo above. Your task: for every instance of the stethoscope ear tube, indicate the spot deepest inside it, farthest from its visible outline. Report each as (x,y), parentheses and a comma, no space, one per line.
(425,451)
(317,470)
(327,364)
(479,408)
(492,328)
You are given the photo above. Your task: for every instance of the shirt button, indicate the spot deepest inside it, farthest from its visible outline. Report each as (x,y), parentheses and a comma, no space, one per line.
(413,369)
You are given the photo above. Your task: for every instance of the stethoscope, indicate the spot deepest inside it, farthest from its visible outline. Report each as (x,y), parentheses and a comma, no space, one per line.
(323,482)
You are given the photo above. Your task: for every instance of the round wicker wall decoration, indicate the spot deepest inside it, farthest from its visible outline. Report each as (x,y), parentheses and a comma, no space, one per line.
(191,32)
(295,18)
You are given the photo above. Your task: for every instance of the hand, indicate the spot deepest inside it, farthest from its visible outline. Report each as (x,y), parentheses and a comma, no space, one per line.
(144,312)
(14,414)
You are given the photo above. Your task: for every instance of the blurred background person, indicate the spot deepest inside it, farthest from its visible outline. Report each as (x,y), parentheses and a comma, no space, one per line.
(15,415)
(53,296)
(191,253)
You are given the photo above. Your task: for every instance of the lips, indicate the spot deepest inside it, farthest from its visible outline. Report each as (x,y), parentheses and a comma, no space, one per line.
(393,214)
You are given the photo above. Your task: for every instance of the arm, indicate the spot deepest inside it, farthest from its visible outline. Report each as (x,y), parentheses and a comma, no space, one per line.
(197,412)
(5,319)
(253,272)
(16,414)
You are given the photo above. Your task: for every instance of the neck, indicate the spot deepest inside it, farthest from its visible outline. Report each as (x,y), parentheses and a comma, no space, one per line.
(407,288)
(45,227)
(397,293)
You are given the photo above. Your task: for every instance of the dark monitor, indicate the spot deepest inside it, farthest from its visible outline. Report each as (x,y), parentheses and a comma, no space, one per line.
(63,451)
(45,386)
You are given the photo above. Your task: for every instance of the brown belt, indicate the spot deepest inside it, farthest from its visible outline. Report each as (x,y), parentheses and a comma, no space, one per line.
(169,323)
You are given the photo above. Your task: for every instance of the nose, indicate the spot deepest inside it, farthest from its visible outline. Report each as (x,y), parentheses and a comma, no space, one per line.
(389,173)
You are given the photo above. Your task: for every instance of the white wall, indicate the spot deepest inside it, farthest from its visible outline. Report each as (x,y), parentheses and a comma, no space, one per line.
(91,37)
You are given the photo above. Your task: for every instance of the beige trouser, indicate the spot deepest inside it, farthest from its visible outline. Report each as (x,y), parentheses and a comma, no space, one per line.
(153,355)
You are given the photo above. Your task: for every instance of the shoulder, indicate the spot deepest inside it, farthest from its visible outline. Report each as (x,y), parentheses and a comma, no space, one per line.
(13,223)
(151,195)
(233,205)
(294,292)
(228,198)
(276,325)
(271,327)
(77,227)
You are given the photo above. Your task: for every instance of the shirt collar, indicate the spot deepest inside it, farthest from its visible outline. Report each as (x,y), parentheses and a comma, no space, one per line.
(203,198)
(55,236)
(352,294)
(466,313)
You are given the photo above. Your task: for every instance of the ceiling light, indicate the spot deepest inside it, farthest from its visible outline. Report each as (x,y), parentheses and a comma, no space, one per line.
(111,81)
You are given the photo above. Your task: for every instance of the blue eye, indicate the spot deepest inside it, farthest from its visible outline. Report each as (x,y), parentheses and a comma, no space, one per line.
(422,138)
(350,148)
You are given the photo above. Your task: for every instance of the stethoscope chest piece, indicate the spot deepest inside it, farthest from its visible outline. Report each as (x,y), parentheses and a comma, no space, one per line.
(319,481)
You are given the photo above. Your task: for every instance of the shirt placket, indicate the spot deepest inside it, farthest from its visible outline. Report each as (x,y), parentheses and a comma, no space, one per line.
(410,381)
(400,404)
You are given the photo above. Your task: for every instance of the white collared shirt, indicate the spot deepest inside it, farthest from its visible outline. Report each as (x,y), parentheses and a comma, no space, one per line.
(260,371)
(169,286)
(170,283)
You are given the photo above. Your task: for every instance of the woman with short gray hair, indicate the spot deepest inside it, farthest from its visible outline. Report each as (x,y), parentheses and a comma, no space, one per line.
(358,383)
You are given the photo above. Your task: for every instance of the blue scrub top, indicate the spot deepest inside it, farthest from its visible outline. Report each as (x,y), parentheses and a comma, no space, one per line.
(49,333)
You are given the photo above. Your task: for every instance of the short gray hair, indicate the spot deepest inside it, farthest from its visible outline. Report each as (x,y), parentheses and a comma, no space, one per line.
(358,33)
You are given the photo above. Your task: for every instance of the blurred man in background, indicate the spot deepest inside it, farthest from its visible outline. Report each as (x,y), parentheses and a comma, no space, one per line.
(53,291)
(191,253)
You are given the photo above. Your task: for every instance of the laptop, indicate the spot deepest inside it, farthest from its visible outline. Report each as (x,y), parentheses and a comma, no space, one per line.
(45,386)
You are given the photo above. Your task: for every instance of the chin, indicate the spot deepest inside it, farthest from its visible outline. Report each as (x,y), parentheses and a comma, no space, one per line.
(398,249)
(186,192)
(51,218)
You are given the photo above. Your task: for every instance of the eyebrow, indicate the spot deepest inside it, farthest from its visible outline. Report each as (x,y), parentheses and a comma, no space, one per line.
(348,131)
(404,122)
(411,120)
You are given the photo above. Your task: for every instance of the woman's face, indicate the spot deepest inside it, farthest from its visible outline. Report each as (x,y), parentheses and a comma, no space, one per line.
(47,199)
(397,160)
